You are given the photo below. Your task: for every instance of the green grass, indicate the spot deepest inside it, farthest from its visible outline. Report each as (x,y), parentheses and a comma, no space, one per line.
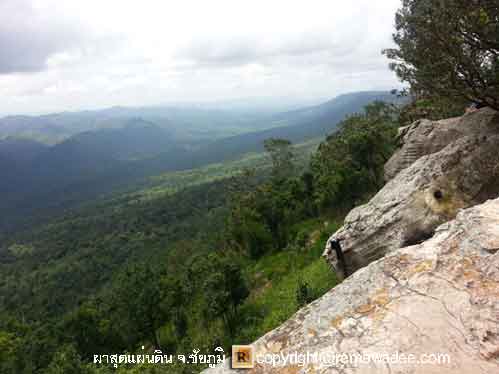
(274,280)
(279,301)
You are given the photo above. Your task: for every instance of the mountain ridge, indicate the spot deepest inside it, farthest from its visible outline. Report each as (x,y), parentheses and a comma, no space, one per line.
(73,171)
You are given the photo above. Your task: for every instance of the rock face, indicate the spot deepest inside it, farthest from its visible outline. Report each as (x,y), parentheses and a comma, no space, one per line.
(425,137)
(459,168)
(440,298)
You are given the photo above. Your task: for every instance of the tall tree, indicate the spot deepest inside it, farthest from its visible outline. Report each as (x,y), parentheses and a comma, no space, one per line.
(173,300)
(282,157)
(349,164)
(449,48)
(224,290)
(137,302)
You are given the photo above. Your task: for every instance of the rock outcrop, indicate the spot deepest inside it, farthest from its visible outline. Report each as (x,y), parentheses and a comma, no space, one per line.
(439,297)
(444,166)
(425,137)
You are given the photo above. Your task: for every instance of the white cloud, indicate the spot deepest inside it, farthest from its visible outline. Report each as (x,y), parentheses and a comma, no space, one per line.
(91,53)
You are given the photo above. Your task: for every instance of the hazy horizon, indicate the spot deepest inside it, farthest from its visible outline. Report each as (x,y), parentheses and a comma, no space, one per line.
(272,103)
(86,55)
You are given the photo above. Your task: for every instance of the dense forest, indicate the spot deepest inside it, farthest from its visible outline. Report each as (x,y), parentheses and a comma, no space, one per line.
(215,263)
(224,259)
(120,147)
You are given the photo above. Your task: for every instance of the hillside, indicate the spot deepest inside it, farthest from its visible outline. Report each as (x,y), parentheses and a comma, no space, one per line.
(420,255)
(19,150)
(178,262)
(97,162)
(186,123)
(296,126)
(430,303)
(221,213)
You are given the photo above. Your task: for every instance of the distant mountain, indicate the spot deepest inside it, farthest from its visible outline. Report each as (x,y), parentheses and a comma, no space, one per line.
(20,150)
(96,162)
(85,155)
(296,126)
(137,139)
(186,124)
(261,104)
(192,124)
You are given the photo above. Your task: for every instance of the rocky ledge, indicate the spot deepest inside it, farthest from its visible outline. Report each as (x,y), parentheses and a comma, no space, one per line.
(437,297)
(457,166)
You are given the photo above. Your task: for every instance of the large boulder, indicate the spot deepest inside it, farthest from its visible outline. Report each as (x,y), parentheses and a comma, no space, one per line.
(427,193)
(425,137)
(435,305)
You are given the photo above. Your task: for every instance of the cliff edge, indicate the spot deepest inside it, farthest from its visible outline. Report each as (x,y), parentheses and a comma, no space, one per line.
(421,262)
(458,167)
(436,299)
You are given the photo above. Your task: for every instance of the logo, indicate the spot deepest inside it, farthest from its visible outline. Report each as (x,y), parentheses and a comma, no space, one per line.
(242,357)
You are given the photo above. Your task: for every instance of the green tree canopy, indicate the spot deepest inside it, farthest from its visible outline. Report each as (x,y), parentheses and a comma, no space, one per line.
(137,304)
(282,157)
(349,164)
(449,48)
(224,290)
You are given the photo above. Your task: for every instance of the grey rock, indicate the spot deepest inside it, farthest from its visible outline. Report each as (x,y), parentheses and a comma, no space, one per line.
(429,192)
(440,297)
(425,137)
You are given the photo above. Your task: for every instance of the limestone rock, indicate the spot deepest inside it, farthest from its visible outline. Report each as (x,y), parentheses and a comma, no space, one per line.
(440,297)
(426,194)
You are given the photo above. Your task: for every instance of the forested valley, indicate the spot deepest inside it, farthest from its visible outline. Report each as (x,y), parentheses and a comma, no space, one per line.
(219,262)
(221,248)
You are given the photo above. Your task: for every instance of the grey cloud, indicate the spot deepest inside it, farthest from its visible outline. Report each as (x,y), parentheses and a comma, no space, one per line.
(243,50)
(28,37)
(122,59)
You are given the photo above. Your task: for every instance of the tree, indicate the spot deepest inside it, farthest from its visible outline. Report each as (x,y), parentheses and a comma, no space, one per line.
(281,155)
(449,48)
(349,164)
(90,331)
(67,361)
(224,290)
(9,344)
(173,300)
(137,302)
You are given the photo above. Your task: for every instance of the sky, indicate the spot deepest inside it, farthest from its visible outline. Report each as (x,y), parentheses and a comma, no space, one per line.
(85,54)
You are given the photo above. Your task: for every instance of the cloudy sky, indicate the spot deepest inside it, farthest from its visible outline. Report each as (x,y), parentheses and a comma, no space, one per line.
(82,54)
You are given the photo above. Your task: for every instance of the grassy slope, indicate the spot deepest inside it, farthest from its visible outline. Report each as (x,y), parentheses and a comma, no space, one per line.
(275,279)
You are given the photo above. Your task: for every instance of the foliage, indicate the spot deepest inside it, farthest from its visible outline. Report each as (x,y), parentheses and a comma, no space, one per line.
(349,165)
(282,157)
(449,48)
(219,262)
(67,361)
(90,331)
(136,303)
(432,108)
(304,294)
(224,291)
